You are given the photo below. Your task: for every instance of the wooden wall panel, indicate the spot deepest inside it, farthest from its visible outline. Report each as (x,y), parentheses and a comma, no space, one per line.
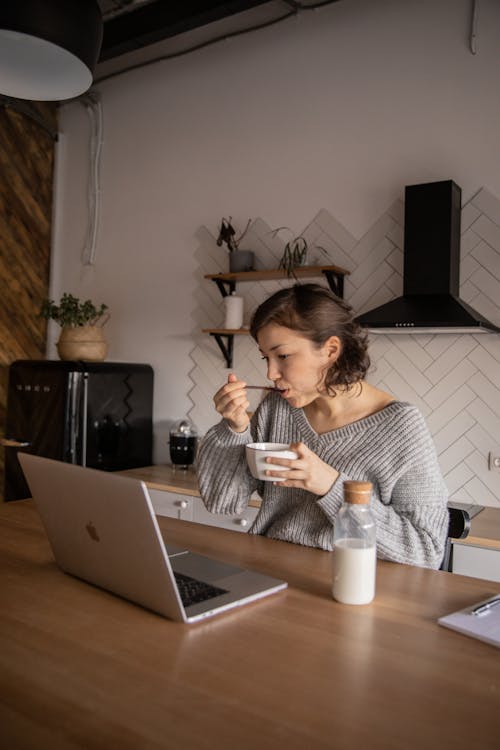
(26,179)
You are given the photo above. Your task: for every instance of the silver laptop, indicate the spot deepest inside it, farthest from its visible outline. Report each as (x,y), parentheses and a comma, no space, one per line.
(102,528)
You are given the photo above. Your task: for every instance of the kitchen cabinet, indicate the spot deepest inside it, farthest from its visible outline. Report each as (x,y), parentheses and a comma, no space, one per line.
(173,504)
(236,522)
(175,494)
(478,562)
(226,283)
(191,508)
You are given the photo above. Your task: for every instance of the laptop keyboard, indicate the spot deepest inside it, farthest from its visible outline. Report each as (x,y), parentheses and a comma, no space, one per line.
(193,591)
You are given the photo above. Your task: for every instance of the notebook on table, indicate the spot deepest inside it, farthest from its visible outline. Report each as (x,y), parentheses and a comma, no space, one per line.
(102,528)
(480,620)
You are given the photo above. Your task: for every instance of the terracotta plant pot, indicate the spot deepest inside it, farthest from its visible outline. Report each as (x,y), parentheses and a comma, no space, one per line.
(86,343)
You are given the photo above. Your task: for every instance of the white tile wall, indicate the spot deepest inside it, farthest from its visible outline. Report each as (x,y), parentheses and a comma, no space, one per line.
(454,379)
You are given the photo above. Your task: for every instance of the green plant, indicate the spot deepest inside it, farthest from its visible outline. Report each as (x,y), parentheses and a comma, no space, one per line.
(227,234)
(295,251)
(72,312)
(294,254)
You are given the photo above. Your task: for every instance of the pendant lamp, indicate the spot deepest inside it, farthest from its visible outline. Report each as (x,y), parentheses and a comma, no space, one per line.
(48,48)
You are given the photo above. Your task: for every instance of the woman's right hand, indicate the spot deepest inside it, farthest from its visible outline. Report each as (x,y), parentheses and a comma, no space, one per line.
(231,402)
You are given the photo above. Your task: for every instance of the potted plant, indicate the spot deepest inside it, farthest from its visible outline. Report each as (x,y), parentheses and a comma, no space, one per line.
(295,252)
(81,337)
(239,260)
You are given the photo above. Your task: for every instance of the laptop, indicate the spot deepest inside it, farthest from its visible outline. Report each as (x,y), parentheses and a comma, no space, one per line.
(102,528)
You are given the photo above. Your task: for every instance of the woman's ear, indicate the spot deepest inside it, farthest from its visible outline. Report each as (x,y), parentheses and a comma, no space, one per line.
(333,348)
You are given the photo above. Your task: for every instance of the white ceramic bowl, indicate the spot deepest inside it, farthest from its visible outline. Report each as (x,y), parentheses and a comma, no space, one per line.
(256,458)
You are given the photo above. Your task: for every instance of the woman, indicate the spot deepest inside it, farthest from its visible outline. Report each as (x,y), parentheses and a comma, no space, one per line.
(340,426)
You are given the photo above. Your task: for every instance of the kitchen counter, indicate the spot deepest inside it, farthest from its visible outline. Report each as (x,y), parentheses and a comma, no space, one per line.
(479,553)
(168,479)
(484,529)
(81,668)
(163,477)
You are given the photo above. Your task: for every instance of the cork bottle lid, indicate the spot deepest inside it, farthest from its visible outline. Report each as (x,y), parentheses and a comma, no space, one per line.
(358,493)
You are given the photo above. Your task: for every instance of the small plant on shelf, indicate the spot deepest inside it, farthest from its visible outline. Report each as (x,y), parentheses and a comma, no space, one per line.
(227,234)
(70,312)
(239,260)
(295,252)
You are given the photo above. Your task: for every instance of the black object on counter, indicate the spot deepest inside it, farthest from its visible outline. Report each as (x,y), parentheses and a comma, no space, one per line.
(183,442)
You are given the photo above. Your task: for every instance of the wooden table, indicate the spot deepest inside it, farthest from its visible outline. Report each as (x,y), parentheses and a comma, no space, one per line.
(80,668)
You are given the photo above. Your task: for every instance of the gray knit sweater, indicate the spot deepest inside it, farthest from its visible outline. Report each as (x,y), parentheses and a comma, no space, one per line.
(392,449)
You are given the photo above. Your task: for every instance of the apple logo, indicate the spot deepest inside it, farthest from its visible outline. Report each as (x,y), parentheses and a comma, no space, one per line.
(92,531)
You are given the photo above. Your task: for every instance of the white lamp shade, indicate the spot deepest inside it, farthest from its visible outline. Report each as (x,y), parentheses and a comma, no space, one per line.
(31,68)
(48,48)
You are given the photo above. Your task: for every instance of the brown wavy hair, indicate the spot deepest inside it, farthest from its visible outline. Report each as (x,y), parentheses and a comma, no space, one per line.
(316,313)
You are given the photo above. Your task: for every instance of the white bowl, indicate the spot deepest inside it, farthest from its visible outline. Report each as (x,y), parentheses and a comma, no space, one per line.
(256,459)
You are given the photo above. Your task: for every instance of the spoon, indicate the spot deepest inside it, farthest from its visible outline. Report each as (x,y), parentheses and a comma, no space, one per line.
(265,388)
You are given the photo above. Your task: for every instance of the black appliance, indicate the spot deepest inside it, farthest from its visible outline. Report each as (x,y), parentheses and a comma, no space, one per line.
(431,278)
(92,414)
(183,441)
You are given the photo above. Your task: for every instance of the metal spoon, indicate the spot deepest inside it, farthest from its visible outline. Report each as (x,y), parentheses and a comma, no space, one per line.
(265,388)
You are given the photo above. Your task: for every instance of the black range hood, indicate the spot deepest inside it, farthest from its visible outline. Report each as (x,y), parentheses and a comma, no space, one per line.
(430,301)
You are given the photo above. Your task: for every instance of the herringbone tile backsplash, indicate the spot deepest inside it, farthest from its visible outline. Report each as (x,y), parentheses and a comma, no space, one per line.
(454,379)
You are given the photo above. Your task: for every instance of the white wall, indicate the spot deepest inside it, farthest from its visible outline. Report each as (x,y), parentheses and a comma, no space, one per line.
(337,109)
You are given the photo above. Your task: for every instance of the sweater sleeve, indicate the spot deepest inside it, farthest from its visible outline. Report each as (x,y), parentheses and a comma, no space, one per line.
(409,497)
(413,527)
(224,480)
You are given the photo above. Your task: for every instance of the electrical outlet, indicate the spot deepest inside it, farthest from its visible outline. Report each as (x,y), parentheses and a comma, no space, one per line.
(493,462)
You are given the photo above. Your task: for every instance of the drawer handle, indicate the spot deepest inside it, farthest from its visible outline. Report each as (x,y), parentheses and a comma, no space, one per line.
(183,504)
(242,521)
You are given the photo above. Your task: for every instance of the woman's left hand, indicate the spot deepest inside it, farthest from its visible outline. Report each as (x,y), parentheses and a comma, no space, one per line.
(307,471)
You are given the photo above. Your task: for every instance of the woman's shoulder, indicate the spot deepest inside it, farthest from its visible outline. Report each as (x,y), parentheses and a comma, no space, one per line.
(396,417)
(383,406)
(406,423)
(401,411)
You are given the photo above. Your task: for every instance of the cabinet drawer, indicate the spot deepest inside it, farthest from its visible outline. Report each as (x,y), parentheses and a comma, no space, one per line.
(241,522)
(172,504)
(477,562)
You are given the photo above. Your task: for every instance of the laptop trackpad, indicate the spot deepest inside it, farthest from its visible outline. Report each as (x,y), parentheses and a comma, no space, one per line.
(203,568)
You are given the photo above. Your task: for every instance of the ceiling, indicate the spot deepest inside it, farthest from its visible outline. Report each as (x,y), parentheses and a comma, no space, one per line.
(134,24)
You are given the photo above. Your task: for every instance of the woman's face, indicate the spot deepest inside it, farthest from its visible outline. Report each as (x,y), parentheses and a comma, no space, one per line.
(295,364)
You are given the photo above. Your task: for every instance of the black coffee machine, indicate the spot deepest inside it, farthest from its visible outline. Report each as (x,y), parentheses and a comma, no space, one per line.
(183,443)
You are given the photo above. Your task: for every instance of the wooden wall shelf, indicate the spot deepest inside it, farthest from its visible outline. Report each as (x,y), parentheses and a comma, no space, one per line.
(334,275)
(226,283)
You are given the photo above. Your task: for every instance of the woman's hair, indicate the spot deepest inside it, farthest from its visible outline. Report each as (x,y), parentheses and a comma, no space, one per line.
(316,313)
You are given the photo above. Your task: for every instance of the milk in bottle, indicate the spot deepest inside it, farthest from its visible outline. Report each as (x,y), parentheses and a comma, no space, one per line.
(354,547)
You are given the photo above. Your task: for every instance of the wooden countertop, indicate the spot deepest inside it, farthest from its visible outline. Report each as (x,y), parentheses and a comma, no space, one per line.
(163,477)
(170,479)
(81,668)
(484,530)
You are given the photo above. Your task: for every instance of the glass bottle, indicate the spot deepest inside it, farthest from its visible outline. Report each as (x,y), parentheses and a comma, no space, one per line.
(354,547)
